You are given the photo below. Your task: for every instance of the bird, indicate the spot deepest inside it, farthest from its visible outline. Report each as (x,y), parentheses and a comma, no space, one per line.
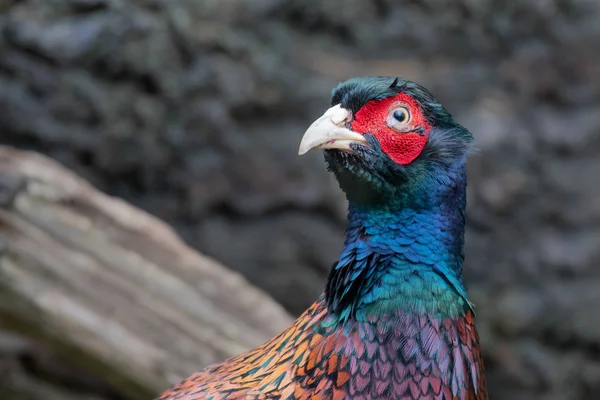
(394,320)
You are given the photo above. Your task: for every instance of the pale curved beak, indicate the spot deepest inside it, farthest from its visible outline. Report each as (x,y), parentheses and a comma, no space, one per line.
(329,132)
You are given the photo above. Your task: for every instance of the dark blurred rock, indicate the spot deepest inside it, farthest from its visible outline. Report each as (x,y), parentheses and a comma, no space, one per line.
(193,110)
(89,5)
(519,311)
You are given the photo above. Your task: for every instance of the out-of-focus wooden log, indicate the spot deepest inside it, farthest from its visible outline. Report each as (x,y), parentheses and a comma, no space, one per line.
(112,287)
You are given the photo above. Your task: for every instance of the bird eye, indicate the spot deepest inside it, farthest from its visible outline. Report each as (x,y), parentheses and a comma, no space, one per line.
(401,115)
(398,118)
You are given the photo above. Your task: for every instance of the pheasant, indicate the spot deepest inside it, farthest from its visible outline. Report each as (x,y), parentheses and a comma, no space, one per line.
(394,320)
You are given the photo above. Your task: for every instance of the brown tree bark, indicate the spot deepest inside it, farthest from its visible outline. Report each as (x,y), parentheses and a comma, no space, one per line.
(113,288)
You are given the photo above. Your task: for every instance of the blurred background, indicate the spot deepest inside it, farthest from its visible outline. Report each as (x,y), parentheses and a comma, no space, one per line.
(193,110)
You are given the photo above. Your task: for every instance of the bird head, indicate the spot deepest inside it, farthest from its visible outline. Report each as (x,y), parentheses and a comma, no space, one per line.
(388,141)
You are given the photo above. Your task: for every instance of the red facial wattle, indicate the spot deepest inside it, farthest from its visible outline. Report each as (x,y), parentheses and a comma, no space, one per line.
(404,147)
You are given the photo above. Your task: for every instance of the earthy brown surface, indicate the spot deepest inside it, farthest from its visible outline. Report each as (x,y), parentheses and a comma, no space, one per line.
(193,110)
(111,289)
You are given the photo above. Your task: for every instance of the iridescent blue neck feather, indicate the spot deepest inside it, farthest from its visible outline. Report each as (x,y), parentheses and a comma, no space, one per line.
(404,254)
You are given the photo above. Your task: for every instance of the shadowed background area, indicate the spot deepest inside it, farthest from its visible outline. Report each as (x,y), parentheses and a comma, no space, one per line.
(193,110)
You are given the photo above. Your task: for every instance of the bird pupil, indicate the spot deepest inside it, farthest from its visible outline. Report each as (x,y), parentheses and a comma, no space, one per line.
(400,116)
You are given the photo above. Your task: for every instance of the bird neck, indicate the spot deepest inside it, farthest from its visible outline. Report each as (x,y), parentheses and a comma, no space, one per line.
(403,257)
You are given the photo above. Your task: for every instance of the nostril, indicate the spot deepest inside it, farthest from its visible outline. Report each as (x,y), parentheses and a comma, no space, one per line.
(339,115)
